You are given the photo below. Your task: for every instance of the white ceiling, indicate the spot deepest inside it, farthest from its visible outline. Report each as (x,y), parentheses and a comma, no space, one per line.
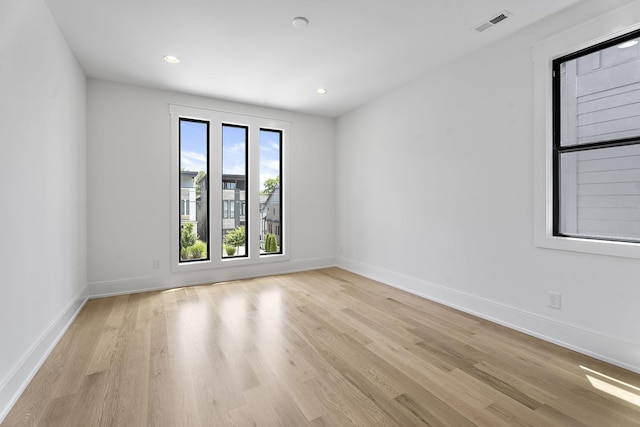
(249,51)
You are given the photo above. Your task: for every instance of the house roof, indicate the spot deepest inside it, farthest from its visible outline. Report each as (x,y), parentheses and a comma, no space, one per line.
(274,196)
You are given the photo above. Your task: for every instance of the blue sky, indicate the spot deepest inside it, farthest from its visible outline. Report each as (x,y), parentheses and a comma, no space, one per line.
(193,149)
(193,145)
(269,155)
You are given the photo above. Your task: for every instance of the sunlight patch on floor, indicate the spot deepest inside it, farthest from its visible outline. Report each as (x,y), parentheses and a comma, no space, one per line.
(614,387)
(168,291)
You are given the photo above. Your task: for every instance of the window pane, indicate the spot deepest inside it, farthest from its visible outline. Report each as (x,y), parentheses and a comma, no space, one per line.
(194,190)
(600,95)
(600,193)
(234,184)
(271,190)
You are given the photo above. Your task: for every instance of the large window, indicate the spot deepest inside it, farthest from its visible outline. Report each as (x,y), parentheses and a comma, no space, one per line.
(229,192)
(596,141)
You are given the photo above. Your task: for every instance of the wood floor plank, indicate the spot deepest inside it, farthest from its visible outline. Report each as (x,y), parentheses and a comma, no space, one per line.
(88,407)
(272,370)
(316,348)
(556,418)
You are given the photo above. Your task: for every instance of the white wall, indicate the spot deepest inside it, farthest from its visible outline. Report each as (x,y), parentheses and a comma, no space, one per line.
(42,188)
(436,196)
(129,190)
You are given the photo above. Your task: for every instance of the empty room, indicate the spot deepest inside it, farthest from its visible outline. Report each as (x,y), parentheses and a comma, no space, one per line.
(320,213)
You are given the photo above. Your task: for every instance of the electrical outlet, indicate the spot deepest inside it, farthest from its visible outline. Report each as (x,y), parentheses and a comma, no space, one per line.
(554,300)
(156,264)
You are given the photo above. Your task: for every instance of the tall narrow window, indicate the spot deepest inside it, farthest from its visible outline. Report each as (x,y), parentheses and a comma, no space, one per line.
(234,188)
(271,193)
(596,141)
(194,192)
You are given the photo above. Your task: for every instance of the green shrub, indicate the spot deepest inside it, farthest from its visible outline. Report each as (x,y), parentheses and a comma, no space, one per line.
(187,236)
(271,243)
(230,250)
(184,253)
(198,250)
(235,237)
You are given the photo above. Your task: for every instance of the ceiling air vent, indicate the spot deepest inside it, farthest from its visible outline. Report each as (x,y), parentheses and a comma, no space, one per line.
(498,18)
(493,21)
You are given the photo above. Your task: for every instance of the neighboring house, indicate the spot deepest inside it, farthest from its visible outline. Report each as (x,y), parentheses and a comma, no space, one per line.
(202,209)
(263,234)
(271,216)
(188,199)
(193,206)
(234,205)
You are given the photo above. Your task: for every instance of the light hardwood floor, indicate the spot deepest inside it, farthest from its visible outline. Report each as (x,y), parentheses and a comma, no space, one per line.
(319,348)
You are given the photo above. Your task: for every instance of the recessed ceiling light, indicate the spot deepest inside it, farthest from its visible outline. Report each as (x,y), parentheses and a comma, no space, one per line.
(321,91)
(300,22)
(171,59)
(628,43)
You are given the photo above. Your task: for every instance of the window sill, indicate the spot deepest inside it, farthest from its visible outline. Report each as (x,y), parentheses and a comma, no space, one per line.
(592,246)
(228,262)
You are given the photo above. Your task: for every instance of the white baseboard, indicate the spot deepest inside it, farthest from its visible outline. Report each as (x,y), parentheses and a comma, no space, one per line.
(608,349)
(25,370)
(174,280)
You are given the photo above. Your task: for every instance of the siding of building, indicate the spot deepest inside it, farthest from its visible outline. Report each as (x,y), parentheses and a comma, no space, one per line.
(601,188)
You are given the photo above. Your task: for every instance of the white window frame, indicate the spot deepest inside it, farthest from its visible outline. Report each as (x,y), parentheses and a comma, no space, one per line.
(605,27)
(254,123)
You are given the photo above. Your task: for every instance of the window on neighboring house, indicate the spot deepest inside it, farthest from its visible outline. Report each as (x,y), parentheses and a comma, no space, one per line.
(194,166)
(596,141)
(184,207)
(227,165)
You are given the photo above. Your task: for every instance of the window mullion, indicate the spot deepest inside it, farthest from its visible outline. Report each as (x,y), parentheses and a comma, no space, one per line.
(598,145)
(253,192)
(215,190)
